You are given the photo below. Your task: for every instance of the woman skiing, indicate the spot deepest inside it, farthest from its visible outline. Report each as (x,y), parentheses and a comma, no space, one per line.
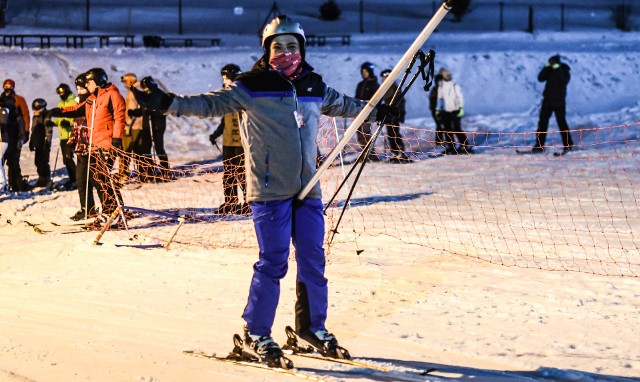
(281,100)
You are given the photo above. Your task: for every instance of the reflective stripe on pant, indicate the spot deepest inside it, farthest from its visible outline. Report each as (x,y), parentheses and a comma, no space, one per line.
(277,224)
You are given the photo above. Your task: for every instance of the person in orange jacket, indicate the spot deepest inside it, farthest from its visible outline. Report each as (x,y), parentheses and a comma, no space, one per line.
(104,110)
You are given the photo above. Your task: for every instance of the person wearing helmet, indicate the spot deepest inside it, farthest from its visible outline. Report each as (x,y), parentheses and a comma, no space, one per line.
(396,144)
(154,125)
(365,91)
(132,137)
(79,140)
(104,110)
(17,132)
(40,141)
(65,128)
(233,175)
(281,99)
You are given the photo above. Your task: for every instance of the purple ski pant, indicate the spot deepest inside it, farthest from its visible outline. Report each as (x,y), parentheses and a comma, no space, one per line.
(277,224)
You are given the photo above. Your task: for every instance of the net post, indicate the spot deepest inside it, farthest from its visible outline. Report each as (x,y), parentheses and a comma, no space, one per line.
(107,225)
(175,232)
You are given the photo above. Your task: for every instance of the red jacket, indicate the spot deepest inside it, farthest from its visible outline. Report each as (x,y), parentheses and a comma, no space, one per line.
(24,109)
(109,115)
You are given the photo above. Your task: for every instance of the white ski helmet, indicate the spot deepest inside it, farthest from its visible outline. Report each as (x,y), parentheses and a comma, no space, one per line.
(282,25)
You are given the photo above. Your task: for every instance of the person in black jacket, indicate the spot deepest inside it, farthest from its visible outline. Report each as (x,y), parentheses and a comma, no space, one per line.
(40,141)
(396,144)
(365,91)
(16,123)
(154,124)
(557,76)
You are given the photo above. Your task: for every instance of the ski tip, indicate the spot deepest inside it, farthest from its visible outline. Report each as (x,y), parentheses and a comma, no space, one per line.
(286,363)
(430,370)
(343,353)
(199,352)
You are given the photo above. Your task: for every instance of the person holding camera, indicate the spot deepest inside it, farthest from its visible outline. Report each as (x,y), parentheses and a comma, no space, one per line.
(556,76)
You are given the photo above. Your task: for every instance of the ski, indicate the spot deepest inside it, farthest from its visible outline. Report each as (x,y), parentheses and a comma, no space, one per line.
(140,246)
(350,362)
(562,153)
(298,347)
(35,227)
(78,224)
(301,348)
(41,191)
(235,359)
(528,151)
(295,342)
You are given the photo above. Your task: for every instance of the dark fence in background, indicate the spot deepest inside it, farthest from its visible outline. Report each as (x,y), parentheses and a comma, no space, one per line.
(246,17)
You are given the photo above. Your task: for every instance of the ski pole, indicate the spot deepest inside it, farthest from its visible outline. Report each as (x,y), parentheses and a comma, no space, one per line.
(115,195)
(397,97)
(154,154)
(344,177)
(180,223)
(53,170)
(86,196)
(369,107)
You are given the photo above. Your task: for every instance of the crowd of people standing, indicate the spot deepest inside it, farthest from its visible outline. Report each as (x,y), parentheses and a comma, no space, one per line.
(100,129)
(91,128)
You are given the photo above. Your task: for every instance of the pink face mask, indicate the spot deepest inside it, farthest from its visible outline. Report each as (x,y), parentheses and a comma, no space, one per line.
(288,63)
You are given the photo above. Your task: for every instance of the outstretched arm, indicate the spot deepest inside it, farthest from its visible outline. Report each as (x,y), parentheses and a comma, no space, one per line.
(212,104)
(335,104)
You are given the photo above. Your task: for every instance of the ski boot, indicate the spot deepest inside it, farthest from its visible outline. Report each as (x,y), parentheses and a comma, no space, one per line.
(260,349)
(321,341)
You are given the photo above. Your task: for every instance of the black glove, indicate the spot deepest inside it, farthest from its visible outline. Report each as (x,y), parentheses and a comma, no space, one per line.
(116,143)
(134,113)
(153,98)
(24,136)
(32,147)
(51,124)
(56,112)
(65,124)
(212,139)
(387,113)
